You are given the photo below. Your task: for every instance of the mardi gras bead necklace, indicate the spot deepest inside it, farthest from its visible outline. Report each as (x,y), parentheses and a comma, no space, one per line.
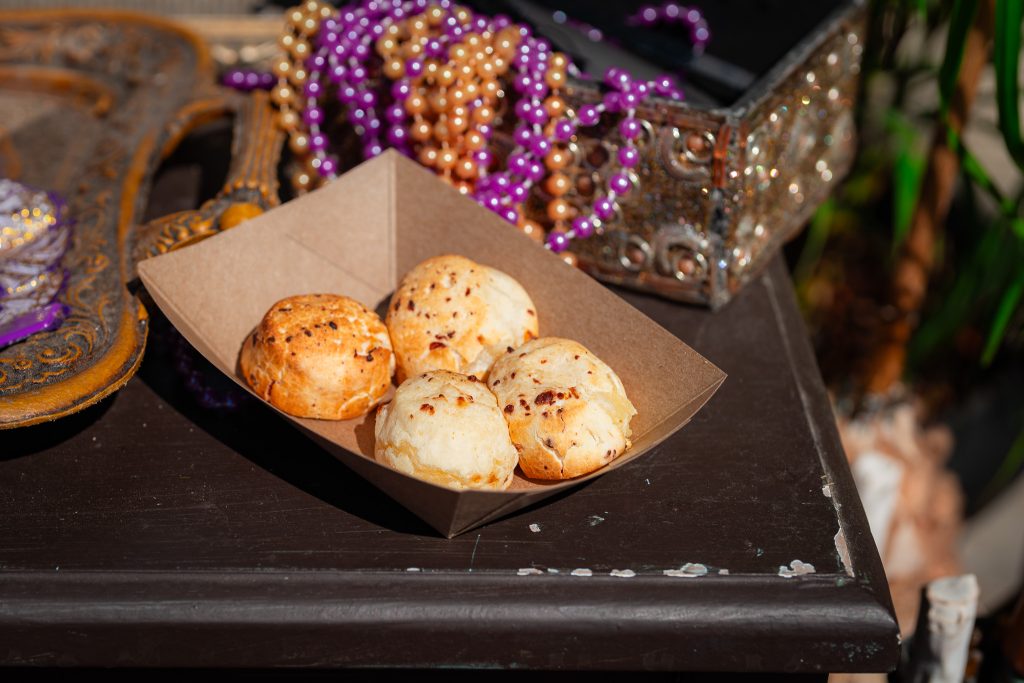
(433,79)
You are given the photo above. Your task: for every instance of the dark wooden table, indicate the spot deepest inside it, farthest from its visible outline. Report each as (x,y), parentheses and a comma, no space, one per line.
(149,531)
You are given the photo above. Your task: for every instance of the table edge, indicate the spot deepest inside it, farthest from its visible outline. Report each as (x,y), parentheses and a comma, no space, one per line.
(355,618)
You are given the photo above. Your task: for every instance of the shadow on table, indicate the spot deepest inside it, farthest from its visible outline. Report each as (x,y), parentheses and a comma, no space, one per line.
(24,441)
(258,434)
(264,438)
(170,366)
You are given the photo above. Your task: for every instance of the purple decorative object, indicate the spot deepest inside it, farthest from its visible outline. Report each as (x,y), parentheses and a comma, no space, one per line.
(22,266)
(518,192)
(315,116)
(604,208)
(664,85)
(247,80)
(616,78)
(620,183)
(583,227)
(317,63)
(588,115)
(540,146)
(689,18)
(628,157)
(395,113)
(522,136)
(318,142)
(328,167)
(400,89)
(23,326)
(205,382)
(629,128)
(483,158)
(557,241)
(564,130)
(34,235)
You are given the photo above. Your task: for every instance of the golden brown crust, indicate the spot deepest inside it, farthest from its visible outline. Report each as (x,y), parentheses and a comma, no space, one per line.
(567,411)
(319,355)
(450,313)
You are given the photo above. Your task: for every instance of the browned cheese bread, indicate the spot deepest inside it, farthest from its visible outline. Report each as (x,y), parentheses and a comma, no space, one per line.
(450,313)
(319,355)
(567,411)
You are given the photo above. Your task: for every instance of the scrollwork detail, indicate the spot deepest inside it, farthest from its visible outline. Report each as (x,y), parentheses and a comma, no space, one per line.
(686,154)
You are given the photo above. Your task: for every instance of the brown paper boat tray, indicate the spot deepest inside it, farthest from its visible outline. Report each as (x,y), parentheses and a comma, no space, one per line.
(358,236)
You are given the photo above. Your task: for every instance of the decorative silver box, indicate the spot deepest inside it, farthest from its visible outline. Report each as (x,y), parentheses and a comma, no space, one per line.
(720,189)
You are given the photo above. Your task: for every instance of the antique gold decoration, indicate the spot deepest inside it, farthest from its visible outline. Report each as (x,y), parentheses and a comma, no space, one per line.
(89,104)
(722,190)
(250,189)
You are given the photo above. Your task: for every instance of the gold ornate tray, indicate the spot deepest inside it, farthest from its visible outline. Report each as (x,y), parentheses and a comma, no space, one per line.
(90,102)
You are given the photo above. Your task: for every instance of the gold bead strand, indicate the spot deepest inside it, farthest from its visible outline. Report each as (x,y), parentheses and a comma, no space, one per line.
(557,184)
(302,24)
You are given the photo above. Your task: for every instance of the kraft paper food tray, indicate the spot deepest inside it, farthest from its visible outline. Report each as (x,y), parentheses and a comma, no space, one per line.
(358,236)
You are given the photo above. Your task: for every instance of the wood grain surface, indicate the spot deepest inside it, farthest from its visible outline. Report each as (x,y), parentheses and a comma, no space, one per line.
(149,531)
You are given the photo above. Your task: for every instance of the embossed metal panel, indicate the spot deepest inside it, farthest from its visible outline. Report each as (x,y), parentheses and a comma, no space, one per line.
(718,191)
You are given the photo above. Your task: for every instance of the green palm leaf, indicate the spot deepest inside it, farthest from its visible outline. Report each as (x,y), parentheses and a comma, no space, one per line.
(1006,58)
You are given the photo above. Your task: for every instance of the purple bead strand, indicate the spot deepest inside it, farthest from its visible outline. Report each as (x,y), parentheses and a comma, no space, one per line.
(623,96)
(343,57)
(247,80)
(672,13)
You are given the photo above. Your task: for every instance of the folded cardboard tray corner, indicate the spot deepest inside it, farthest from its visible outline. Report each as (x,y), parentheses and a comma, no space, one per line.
(357,236)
